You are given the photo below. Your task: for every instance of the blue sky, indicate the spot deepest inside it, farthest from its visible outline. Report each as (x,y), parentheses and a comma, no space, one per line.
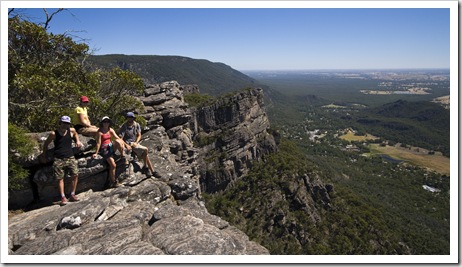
(268,39)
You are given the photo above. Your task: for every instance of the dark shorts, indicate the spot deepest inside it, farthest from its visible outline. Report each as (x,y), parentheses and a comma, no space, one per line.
(106,151)
(63,166)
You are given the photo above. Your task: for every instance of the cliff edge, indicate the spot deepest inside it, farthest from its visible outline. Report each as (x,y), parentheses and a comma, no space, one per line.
(164,215)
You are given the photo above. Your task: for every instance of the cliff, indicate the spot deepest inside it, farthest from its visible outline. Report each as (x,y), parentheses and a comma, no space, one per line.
(164,215)
(194,150)
(232,134)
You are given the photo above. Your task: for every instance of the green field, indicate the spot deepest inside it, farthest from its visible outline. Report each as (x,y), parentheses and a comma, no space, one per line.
(350,136)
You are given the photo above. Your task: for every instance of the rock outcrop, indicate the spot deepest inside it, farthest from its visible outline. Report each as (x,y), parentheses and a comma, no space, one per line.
(193,150)
(163,215)
(232,133)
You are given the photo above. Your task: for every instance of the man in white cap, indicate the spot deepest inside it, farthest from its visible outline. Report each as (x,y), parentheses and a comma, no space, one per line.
(64,160)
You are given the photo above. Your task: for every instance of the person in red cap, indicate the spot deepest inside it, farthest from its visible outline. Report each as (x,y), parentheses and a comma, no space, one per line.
(82,122)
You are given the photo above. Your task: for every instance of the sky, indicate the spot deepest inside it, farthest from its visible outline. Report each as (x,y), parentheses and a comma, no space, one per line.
(266,38)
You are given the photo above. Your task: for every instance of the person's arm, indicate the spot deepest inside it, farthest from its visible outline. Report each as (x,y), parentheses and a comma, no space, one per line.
(98,144)
(138,134)
(121,133)
(76,137)
(84,120)
(47,142)
(115,136)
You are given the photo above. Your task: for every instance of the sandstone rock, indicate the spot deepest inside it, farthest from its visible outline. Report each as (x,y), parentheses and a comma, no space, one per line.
(235,131)
(148,215)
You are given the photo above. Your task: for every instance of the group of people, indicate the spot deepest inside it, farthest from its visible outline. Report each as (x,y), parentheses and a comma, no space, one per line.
(107,142)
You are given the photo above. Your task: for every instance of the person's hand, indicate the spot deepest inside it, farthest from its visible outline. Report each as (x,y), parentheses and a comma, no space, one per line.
(78,144)
(94,155)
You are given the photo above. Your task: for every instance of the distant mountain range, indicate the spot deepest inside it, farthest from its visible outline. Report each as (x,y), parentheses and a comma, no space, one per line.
(212,78)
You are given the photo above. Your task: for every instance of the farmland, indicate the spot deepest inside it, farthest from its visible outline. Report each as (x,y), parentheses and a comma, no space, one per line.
(415,156)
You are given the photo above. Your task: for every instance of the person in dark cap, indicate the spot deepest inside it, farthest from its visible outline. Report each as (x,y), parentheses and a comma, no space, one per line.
(82,123)
(64,160)
(130,132)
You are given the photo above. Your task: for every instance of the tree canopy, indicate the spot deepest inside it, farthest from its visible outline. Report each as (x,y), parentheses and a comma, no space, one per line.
(47,74)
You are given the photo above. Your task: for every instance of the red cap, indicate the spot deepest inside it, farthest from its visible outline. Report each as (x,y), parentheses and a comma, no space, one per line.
(84,99)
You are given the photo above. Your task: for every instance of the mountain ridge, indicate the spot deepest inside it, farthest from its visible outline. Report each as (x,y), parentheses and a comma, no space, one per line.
(213,78)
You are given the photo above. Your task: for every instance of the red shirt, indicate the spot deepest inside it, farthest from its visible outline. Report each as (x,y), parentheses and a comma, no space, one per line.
(105,138)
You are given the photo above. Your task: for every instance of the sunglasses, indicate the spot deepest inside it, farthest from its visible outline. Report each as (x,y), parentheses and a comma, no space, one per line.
(106,121)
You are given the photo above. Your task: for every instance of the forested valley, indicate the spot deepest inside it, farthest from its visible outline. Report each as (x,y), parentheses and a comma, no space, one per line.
(379,205)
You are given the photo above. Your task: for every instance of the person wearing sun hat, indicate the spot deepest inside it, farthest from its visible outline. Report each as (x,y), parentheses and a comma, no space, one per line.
(64,160)
(130,132)
(82,123)
(104,147)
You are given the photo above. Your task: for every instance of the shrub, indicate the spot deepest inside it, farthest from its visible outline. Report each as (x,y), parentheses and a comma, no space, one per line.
(18,144)
(197,100)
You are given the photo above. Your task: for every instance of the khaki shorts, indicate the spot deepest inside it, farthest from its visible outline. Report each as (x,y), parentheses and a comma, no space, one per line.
(139,150)
(87,131)
(63,166)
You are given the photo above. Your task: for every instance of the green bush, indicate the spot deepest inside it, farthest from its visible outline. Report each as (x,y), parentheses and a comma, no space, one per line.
(197,100)
(18,144)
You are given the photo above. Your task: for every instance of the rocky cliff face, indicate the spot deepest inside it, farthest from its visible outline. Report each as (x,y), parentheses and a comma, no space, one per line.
(232,134)
(194,150)
(148,215)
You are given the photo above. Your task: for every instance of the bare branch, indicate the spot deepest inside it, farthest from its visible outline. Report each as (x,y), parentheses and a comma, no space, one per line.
(50,17)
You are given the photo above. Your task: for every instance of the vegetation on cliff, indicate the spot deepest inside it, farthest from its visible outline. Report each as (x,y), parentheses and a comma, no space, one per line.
(212,78)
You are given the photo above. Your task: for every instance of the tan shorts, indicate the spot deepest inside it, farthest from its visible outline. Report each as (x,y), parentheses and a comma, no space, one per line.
(139,150)
(87,131)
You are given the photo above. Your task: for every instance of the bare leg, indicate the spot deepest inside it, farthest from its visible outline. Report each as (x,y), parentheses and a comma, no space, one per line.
(61,186)
(75,179)
(118,145)
(112,167)
(147,161)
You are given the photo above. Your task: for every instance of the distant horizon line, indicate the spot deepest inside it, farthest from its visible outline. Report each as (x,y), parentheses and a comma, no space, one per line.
(294,69)
(348,69)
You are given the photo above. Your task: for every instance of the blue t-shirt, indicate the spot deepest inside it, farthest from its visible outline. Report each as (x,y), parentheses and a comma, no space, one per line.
(129,133)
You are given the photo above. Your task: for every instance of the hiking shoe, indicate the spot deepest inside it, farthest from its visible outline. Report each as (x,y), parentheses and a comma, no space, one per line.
(148,173)
(116,184)
(156,174)
(73,198)
(63,201)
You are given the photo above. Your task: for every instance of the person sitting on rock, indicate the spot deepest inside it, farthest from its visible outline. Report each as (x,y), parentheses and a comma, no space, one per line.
(130,132)
(82,121)
(64,160)
(104,146)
